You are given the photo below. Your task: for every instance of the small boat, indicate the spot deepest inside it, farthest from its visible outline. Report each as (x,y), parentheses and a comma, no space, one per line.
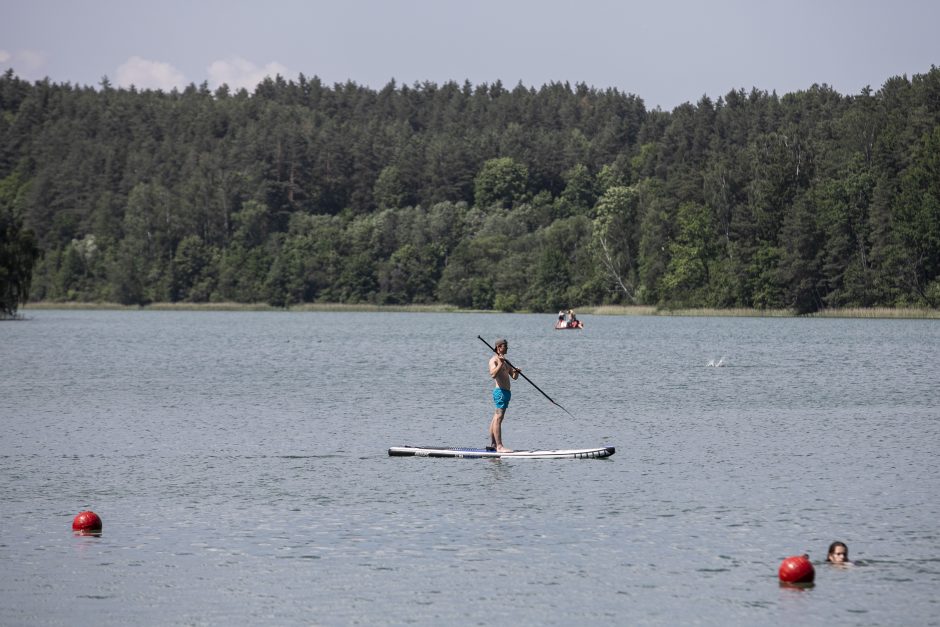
(567,320)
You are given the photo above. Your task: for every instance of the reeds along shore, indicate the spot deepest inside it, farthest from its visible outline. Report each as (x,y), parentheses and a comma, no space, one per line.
(849,312)
(602,310)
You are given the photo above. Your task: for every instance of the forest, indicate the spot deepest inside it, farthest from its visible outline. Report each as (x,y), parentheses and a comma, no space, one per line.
(477,196)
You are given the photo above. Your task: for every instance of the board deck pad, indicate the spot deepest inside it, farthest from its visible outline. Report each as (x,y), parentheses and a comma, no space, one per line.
(483,453)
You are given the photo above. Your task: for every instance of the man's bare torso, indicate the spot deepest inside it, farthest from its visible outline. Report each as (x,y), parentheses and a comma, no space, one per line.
(500,373)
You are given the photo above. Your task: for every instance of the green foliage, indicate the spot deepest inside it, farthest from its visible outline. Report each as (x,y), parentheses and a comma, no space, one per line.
(615,240)
(501,182)
(18,251)
(690,255)
(656,227)
(194,271)
(916,219)
(411,274)
(845,242)
(580,191)
(762,278)
(389,190)
(466,280)
(799,267)
(478,196)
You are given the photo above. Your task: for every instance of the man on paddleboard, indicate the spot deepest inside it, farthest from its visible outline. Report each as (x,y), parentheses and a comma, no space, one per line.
(502,375)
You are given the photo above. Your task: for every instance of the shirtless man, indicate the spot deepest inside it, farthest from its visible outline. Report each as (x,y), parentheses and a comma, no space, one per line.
(502,374)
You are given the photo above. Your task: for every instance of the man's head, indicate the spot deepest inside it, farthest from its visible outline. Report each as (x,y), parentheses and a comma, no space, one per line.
(501,342)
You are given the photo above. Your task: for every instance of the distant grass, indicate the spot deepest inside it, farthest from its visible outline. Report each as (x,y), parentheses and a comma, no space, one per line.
(735,312)
(640,310)
(230,306)
(619,310)
(153,306)
(879,312)
(438,308)
(602,310)
(848,312)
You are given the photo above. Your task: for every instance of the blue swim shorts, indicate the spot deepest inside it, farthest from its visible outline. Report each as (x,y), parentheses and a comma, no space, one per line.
(501,398)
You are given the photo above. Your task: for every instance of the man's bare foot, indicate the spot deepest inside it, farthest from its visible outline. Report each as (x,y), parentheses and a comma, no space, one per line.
(503,449)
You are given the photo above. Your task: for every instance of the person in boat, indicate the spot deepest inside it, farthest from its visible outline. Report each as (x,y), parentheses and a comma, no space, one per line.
(503,375)
(838,553)
(573,321)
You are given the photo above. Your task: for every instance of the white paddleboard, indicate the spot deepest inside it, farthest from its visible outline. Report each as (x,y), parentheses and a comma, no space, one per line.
(482,453)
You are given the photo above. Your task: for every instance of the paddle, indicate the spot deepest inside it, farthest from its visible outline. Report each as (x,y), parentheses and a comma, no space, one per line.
(526,378)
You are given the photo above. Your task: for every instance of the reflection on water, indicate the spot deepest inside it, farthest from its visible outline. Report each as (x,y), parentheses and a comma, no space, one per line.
(239,461)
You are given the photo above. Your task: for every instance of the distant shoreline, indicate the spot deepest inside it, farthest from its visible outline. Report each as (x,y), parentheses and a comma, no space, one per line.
(601,310)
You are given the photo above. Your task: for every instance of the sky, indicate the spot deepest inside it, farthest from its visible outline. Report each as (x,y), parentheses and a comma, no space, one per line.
(667,52)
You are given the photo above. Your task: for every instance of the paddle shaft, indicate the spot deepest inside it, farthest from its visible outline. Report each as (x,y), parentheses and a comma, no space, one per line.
(508,363)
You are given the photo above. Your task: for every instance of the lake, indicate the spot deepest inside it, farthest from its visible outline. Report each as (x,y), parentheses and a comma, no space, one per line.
(239,463)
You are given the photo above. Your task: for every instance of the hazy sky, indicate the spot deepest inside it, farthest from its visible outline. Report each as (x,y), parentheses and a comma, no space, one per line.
(666,52)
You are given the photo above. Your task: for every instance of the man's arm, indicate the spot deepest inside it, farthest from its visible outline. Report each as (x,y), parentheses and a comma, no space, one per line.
(495,365)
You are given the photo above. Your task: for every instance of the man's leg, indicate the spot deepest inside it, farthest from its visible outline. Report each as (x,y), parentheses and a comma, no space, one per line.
(496,431)
(496,428)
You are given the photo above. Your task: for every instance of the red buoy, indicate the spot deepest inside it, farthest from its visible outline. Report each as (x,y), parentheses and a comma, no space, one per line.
(87,522)
(797,569)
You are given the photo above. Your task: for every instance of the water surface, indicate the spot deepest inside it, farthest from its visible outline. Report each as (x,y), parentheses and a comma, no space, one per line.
(238,460)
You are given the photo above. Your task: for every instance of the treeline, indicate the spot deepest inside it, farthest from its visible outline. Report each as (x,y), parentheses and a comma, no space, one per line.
(476,196)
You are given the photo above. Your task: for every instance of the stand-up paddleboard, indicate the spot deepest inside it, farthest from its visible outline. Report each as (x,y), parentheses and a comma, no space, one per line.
(482,453)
